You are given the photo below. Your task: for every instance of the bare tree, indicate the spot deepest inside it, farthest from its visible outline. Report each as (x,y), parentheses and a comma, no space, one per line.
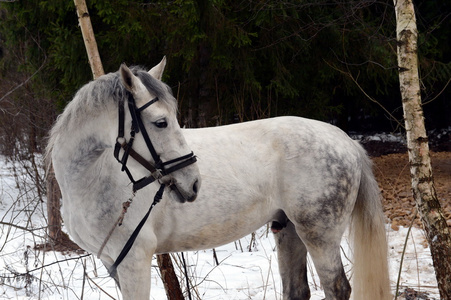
(428,205)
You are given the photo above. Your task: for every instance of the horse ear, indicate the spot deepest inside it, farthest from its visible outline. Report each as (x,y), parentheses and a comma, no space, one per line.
(157,71)
(127,77)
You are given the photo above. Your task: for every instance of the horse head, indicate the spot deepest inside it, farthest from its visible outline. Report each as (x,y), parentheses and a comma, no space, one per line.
(155,134)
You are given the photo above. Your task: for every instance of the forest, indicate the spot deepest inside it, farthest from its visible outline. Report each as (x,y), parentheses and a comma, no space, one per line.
(228,61)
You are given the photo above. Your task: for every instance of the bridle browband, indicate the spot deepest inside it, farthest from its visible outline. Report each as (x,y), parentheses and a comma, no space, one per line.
(157,170)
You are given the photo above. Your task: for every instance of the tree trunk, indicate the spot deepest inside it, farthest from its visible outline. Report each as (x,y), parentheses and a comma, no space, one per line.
(437,231)
(53,207)
(170,280)
(89,38)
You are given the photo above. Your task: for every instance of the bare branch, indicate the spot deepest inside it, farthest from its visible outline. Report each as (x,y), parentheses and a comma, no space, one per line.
(17,274)
(348,74)
(21,227)
(444,88)
(24,82)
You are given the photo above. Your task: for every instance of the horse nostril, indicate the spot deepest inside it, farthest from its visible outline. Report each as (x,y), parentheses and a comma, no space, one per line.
(195,186)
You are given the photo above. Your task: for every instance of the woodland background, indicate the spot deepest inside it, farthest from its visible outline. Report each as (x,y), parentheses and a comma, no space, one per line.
(228,61)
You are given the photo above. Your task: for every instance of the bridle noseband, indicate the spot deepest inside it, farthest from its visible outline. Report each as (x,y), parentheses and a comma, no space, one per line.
(157,170)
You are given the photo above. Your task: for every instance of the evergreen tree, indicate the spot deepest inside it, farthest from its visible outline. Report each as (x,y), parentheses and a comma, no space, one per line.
(232,61)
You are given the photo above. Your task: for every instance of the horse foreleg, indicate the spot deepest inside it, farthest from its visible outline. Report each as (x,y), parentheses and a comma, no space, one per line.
(292,256)
(134,274)
(108,265)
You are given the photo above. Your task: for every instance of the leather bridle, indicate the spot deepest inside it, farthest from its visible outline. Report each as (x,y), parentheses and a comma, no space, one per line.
(159,168)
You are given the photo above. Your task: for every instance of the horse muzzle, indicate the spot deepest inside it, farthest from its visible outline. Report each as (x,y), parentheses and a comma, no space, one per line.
(184,195)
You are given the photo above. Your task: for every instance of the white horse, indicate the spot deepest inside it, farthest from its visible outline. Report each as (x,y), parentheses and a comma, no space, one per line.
(307,177)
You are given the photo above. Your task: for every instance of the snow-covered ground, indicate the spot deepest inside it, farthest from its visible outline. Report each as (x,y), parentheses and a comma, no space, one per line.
(247,268)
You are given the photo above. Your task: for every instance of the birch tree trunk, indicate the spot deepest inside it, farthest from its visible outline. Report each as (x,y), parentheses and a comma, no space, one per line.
(89,38)
(434,223)
(170,279)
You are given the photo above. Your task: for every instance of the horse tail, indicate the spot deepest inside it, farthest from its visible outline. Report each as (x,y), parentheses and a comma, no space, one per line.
(371,276)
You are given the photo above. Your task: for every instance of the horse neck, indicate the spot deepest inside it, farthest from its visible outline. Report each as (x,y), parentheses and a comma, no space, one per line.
(83,143)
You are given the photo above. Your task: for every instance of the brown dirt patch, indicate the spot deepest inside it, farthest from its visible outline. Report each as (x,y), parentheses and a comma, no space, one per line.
(393,175)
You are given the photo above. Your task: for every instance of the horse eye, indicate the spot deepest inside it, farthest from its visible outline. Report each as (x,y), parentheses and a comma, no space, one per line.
(161,123)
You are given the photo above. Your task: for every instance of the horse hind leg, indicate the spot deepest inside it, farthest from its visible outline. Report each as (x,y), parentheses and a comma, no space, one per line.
(292,257)
(325,250)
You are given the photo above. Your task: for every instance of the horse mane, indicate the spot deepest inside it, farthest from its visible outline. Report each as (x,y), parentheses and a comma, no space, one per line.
(95,96)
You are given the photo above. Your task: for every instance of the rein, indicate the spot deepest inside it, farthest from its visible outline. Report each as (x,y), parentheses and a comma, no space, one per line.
(157,170)
(135,233)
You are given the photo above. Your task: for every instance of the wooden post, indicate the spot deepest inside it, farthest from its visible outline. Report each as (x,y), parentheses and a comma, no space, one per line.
(428,205)
(170,280)
(53,207)
(89,38)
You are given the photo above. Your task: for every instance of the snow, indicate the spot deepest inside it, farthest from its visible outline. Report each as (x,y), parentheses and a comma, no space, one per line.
(247,268)
(381,137)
